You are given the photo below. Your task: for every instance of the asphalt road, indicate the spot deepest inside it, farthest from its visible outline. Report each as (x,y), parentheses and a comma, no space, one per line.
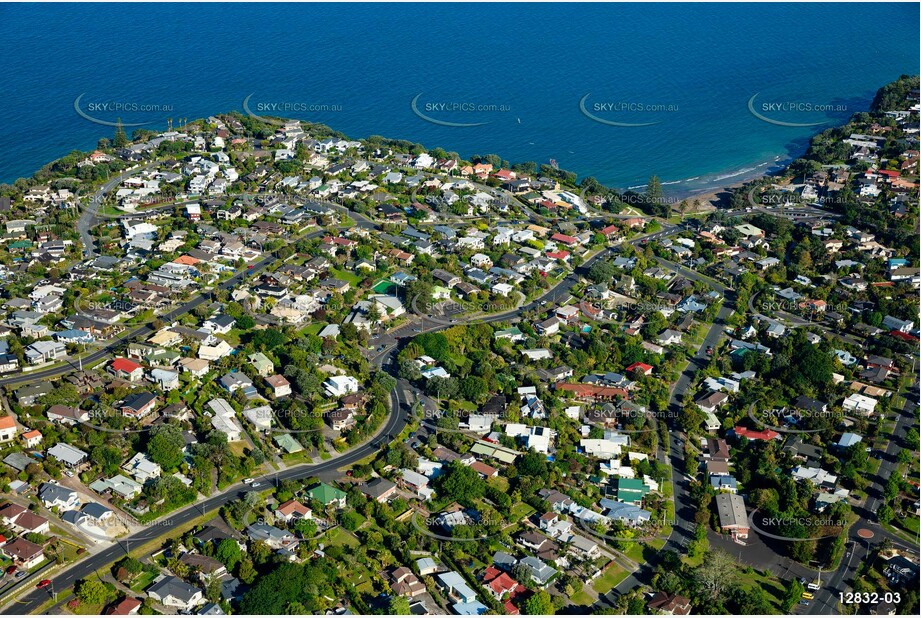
(393,426)
(684,525)
(136,333)
(397,420)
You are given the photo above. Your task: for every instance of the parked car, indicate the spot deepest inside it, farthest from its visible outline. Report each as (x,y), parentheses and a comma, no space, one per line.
(43,583)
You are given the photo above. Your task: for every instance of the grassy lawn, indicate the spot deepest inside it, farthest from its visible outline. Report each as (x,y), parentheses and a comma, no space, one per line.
(344,275)
(582,598)
(634,551)
(610,578)
(901,532)
(313,329)
(340,536)
(769,584)
(237,448)
(143,580)
(296,458)
(233,337)
(521,510)
(909,524)
(89,609)
(499,482)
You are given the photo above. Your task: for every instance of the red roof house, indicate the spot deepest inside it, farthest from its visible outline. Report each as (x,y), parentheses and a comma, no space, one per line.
(563,238)
(126,369)
(643,368)
(751,434)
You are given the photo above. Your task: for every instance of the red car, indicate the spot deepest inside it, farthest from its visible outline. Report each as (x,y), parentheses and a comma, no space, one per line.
(43,583)
(10,570)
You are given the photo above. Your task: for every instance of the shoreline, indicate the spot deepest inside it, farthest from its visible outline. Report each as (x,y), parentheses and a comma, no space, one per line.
(713,184)
(705,188)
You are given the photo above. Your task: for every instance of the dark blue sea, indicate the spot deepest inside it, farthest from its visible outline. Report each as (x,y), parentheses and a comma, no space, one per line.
(531,81)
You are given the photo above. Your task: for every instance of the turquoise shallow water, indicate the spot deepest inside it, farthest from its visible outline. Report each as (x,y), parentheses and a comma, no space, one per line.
(690,69)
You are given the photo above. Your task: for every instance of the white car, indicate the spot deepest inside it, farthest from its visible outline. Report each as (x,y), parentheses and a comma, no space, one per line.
(248,481)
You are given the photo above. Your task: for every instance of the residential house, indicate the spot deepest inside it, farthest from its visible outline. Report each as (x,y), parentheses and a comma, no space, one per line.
(173,592)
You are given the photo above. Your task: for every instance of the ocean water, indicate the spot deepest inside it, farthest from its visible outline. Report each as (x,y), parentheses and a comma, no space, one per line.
(523,78)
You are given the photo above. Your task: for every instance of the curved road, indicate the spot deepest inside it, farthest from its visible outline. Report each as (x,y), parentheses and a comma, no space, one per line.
(35,599)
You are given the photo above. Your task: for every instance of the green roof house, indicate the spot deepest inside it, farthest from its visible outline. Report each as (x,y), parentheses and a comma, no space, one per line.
(327,495)
(631,491)
(262,364)
(288,443)
(514,333)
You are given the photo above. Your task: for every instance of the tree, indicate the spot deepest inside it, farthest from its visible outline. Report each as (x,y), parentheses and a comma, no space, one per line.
(792,594)
(228,552)
(275,590)
(267,339)
(351,520)
(884,514)
(716,574)
(911,438)
(533,464)
(121,138)
(601,271)
(418,296)
(166,446)
(398,606)
(132,567)
(474,388)
(92,592)
(247,572)
(461,483)
(539,603)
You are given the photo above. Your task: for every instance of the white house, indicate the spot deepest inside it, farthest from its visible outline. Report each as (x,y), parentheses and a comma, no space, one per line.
(338,386)
(224,420)
(142,468)
(861,404)
(173,592)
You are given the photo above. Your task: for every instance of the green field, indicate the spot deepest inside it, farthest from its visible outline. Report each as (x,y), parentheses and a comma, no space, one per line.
(143,580)
(610,578)
(313,329)
(520,511)
(770,585)
(341,536)
(344,275)
(911,524)
(582,598)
